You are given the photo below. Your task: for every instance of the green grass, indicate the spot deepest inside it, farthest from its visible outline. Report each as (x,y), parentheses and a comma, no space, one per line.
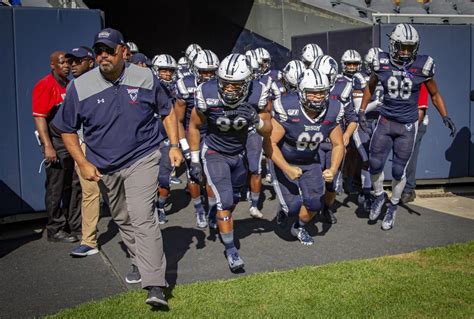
(431,283)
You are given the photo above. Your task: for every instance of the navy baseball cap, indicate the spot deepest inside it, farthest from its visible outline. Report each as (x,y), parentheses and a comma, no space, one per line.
(110,37)
(140,57)
(80,52)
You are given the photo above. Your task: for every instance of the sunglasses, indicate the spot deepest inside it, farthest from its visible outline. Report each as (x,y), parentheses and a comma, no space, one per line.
(71,61)
(98,50)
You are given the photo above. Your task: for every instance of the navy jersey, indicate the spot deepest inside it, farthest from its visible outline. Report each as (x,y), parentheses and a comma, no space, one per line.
(226,131)
(269,79)
(341,92)
(300,143)
(186,87)
(402,86)
(184,71)
(359,82)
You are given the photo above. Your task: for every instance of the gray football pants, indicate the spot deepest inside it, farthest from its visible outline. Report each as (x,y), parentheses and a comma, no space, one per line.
(130,194)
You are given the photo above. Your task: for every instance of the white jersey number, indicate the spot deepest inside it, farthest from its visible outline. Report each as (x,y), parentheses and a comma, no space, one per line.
(397,89)
(305,140)
(225,124)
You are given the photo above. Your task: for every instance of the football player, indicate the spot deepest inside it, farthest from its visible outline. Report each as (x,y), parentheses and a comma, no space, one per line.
(402,71)
(205,65)
(228,105)
(309,53)
(362,138)
(341,87)
(301,122)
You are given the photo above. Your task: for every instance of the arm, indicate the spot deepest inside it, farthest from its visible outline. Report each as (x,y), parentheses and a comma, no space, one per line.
(368,91)
(171,126)
(438,102)
(270,144)
(195,169)
(337,153)
(42,128)
(266,129)
(87,169)
(351,118)
(180,110)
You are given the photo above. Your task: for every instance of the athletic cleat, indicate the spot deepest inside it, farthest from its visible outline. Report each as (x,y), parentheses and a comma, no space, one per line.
(389,218)
(234,260)
(162,219)
(175,180)
(281,218)
(201,220)
(302,234)
(365,201)
(376,207)
(328,213)
(268,178)
(255,213)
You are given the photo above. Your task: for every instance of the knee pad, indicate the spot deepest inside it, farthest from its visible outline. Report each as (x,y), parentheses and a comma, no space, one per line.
(225,218)
(375,165)
(398,171)
(313,204)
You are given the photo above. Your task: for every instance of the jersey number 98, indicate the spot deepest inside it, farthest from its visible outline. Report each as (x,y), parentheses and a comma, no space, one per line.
(225,124)
(399,89)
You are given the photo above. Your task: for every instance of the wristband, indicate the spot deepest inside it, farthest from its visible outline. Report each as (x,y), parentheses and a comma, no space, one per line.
(195,156)
(174,145)
(260,124)
(184,144)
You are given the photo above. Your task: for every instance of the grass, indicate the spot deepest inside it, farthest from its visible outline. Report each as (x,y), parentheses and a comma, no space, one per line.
(431,283)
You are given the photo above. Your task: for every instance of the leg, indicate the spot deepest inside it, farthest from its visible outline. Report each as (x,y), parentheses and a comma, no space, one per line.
(409,191)
(54,191)
(140,183)
(164,174)
(254,154)
(74,217)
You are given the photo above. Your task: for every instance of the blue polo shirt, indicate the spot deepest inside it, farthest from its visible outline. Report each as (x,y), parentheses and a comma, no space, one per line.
(118,117)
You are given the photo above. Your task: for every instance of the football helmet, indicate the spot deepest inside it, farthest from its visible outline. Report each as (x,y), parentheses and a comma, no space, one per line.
(233,78)
(369,58)
(327,66)
(205,65)
(291,73)
(264,59)
(133,47)
(310,52)
(314,82)
(404,43)
(252,57)
(190,48)
(165,61)
(348,60)
(182,61)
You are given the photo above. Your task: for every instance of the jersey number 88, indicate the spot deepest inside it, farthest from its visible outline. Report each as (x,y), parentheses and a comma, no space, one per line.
(399,89)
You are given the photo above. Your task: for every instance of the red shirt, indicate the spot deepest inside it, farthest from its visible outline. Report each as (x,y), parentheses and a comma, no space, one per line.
(423,98)
(47,93)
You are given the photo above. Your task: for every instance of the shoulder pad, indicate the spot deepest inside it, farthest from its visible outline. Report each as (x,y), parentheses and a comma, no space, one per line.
(428,65)
(359,82)
(182,89)
(200,101)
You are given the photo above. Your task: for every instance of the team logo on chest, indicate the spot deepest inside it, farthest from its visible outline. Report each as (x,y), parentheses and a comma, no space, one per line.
(133,93)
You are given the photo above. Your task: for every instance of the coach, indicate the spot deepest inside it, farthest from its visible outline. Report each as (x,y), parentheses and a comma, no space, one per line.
(116,103)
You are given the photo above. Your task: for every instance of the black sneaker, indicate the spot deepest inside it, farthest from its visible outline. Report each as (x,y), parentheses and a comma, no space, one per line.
(281,218)
(156,297)
(133,276)
(328,213)
(408,197)
(62,237)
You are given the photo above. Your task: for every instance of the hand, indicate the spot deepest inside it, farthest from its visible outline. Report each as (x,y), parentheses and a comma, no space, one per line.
(328,175)
(346,138)
(449,124)
(195,171)
(363,121)
(50,154)
(176,157)
(294,172)
(89,172)
(249,113)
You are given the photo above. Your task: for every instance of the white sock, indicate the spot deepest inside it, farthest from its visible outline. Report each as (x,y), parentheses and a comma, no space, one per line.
(377,182)
(397,189)
(365,179)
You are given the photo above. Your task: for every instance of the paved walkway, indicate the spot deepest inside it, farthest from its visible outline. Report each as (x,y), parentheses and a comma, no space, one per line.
(39,277)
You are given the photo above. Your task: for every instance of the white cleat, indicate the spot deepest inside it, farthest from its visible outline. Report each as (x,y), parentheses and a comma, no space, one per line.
(255,212)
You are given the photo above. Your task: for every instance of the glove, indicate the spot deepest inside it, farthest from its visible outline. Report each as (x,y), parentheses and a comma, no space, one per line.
(449,124)
(362,121)
(249,113)
(195,172)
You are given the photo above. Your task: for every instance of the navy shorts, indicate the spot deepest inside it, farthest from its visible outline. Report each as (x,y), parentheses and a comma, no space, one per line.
(392,136)
(254,152)
(226,174)
(306,190)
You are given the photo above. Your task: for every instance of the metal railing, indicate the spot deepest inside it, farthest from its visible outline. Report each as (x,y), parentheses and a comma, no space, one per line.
(420,18)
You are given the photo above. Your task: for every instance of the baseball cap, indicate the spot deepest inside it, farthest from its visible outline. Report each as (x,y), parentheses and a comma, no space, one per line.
(110,37)
(80,52)
(140,57)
